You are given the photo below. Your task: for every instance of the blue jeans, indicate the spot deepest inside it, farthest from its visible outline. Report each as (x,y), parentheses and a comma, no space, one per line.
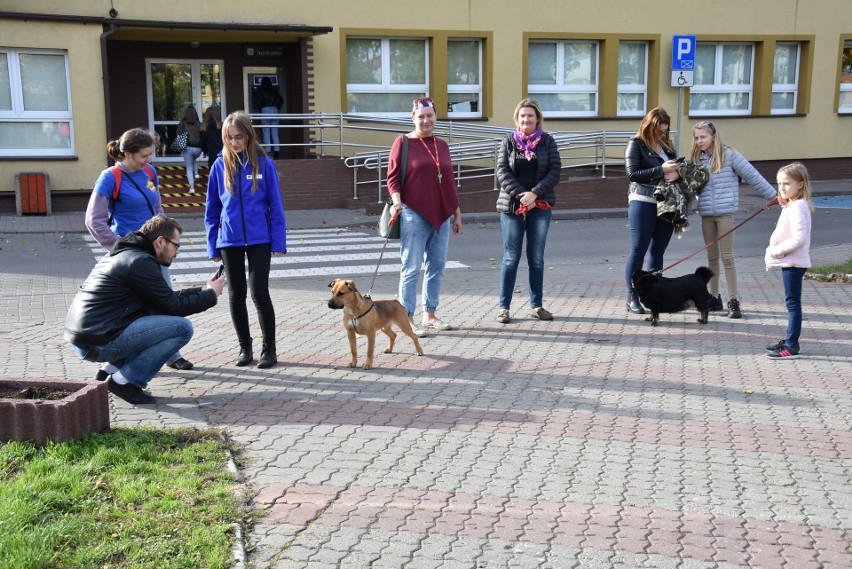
(793,295)
(418,240)
(143,347)
(646,230)
(270,133)
(190,161)
(168,278)
(535,225)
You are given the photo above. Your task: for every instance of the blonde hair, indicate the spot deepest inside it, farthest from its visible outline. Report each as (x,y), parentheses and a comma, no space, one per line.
(797,172)
(242,122)
(649,130)
(718,149)
(532,104)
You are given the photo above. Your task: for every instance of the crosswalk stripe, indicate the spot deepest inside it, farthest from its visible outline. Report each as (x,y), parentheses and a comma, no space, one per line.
(340,250)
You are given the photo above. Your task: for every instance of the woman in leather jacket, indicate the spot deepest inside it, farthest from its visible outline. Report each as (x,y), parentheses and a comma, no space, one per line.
(649,159)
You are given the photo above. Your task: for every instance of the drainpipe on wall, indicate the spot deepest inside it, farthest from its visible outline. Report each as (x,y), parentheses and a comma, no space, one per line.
(105,73)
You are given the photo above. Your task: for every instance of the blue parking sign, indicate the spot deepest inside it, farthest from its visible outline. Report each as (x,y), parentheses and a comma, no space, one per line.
(683,53)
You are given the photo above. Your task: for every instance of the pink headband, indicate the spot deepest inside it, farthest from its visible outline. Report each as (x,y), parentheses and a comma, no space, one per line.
(423,104)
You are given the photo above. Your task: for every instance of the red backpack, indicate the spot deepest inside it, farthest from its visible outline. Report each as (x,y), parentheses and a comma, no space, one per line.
(116,173)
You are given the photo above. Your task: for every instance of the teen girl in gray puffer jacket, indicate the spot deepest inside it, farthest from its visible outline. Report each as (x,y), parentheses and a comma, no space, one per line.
(717,204)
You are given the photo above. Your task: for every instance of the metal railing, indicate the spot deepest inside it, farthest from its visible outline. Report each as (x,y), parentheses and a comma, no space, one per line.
(363,142)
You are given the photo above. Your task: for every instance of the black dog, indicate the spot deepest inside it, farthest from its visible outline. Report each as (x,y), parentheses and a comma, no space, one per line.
(660,294)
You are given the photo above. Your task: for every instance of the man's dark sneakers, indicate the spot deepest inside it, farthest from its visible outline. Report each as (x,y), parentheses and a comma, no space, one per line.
(130,393)
(734,309)
(181,364)
(102,375)
(776,347)
(714,304)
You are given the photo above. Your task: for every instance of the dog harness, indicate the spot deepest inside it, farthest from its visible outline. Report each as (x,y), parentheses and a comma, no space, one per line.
(354,321)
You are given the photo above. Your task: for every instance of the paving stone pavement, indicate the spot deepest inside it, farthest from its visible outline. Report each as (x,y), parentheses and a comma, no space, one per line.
(591,441)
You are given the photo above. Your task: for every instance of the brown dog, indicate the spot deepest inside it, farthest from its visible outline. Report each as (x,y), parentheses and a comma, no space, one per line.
(364,316)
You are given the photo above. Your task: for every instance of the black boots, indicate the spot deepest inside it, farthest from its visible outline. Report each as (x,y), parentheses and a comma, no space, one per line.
(633,304)
(245,356)
(268,357)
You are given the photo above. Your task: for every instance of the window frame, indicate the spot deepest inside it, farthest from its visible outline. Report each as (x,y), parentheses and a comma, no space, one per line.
(634,88)
(18,114)
(844,89)
(787,87)
(386,86)
(718,88)
(466,88)
(560,87)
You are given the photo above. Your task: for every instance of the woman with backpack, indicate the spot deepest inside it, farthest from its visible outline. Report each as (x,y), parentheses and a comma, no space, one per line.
(124,198)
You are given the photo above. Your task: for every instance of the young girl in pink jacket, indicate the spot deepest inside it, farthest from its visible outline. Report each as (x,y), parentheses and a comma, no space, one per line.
(789,249)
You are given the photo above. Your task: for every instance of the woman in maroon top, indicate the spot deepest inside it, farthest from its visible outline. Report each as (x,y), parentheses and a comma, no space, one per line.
(428,206)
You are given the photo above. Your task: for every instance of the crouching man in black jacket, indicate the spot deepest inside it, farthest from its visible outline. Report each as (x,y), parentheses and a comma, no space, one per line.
(126,314)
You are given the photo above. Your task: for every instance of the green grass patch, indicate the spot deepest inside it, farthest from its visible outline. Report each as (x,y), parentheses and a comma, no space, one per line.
(834,273)
(139,498)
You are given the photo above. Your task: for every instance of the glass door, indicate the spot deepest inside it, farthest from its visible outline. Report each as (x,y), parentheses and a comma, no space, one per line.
(173,85)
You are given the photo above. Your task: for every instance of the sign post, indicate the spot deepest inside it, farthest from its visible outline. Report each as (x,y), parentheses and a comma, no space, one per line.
(683,67)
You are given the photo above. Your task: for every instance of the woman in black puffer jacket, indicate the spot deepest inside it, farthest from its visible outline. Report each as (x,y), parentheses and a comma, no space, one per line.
(528,169)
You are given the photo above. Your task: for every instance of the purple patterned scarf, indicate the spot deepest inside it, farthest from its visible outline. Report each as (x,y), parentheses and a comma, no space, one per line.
(527,143)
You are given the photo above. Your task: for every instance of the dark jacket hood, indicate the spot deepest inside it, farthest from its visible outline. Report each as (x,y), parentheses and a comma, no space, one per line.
(133,240)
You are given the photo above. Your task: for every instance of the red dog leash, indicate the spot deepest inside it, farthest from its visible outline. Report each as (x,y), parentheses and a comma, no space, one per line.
(749,218)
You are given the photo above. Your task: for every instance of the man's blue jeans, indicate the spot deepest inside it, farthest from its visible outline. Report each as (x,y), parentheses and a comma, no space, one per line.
(418,240)
(534,225)
(646,230)
(270,135)
(143,347)
(793,277)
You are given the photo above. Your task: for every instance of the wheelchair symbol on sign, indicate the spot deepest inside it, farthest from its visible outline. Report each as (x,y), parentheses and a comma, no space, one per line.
(681,80)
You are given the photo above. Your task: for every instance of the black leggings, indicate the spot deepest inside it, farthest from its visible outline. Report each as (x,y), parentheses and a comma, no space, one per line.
(259,260)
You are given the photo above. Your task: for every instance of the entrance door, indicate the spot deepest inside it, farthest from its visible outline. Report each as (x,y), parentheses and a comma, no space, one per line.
(175,84)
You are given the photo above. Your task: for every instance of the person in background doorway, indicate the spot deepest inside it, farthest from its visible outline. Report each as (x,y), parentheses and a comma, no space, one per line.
(717,204)
(245,220)
(428,207)
(789,250)
(269,101)
(528,169)
(109,219)
(649,159)
(211,134)
(191,126)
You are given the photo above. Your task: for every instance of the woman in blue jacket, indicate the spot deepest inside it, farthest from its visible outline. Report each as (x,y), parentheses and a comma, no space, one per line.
(245,220)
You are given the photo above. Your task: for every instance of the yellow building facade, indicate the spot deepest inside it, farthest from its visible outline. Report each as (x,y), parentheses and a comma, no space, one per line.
(775,76)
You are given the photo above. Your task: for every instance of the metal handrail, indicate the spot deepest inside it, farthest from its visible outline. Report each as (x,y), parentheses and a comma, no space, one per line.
(363,143)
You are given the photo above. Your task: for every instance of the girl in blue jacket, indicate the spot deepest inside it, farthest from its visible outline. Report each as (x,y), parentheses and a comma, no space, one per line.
(245,220)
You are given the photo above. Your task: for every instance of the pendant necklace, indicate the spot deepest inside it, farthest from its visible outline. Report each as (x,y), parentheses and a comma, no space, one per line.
(435,158)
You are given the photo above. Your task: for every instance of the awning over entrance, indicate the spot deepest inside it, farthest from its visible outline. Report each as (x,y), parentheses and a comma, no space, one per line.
(218,32)
(151,30)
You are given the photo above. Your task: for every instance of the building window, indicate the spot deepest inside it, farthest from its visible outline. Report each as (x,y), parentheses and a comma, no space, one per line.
(35,103)
(383,75)
(563,77)
(785,78)
(723,79)
(845,106)
(464,78)
(632,78)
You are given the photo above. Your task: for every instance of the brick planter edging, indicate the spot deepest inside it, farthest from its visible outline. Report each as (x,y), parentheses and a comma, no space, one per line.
(39,420)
